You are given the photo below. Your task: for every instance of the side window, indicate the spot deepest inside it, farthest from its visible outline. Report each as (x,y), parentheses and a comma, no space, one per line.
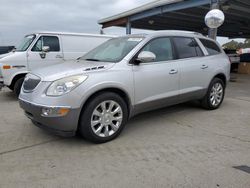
(211,47)
(51,41)
(187,47)
(38,46)
(161,47)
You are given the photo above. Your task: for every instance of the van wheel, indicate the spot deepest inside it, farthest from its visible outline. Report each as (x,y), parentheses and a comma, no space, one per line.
(18,86)
(103,118)
(215,95)
(11,87)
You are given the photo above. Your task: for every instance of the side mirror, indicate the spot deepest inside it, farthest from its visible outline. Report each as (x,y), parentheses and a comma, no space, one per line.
(145,56)
(45,48)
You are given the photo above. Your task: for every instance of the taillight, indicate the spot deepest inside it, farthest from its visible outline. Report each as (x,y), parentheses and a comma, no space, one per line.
(229,60)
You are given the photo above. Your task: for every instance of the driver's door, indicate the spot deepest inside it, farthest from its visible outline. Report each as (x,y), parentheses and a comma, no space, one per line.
(37,58)
(156,83)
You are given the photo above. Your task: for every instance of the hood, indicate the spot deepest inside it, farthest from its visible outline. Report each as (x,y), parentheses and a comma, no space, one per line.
(55,72)
(4,55)
(13,56)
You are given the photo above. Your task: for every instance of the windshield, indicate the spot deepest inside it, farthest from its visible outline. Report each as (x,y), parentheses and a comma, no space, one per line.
(114,50)
(25,43)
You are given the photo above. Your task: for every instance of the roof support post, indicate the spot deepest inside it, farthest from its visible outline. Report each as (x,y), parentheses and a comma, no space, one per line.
(128,27)
(212,33)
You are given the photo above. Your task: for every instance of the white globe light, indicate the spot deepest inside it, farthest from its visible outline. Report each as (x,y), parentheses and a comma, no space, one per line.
(214,18)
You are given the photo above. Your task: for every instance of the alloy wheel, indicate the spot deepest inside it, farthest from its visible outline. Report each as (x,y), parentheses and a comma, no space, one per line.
(216,94)
(106,118)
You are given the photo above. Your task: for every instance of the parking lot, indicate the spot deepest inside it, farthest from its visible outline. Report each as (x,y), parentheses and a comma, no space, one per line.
(179,146)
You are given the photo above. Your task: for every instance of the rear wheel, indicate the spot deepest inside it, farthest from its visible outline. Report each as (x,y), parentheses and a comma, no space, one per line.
(18,86)
(215,94)
(103,118)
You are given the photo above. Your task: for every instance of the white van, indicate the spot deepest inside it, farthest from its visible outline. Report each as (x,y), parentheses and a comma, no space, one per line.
(43,49)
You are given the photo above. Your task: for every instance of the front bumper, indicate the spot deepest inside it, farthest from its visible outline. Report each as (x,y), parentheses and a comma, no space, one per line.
(63,125)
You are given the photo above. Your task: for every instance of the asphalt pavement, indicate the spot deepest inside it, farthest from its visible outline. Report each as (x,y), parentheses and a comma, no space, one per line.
(178,146)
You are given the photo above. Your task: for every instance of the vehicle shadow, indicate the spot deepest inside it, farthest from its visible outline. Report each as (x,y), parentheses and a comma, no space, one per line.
(8,95)
(157,115)
(140,122)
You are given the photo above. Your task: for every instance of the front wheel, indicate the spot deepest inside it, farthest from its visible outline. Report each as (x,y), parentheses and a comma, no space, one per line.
(103,118)
(11,87)
(18,86)
(215,95)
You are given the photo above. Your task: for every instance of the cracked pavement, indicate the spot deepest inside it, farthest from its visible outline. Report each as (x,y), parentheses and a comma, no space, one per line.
(178,146)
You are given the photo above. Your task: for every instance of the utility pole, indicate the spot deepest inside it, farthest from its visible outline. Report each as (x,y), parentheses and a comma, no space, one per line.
(212,33)
(128,27)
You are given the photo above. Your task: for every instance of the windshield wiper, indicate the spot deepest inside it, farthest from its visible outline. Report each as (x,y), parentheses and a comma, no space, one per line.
(90,59)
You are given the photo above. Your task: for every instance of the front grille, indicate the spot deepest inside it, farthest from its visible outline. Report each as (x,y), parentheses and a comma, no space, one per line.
(30,82)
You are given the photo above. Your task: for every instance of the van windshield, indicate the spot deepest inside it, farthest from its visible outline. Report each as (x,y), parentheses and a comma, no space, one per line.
(114,50)
(25,43)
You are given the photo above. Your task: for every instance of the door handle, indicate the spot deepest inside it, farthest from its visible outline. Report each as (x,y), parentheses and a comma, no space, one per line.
(173,71)
(204,66)
(59,56)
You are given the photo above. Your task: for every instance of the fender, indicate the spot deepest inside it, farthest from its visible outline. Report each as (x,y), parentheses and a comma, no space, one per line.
(219,72)
(108,86)
(8,81)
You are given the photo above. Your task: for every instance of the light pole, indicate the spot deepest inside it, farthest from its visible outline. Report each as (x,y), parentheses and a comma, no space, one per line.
(214,19)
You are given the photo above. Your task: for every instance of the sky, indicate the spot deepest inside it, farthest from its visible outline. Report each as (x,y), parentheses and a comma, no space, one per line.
(21,17)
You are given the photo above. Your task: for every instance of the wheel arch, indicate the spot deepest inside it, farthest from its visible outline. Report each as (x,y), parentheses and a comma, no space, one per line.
(15,78)
(221,76)
(123,94)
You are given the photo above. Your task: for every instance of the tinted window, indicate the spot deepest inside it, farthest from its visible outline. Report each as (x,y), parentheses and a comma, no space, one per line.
(211,47)
(52,42)
(187,47)
(162,49)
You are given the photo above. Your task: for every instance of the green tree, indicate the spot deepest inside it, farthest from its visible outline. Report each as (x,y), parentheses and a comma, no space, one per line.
(246,43)
(231,45)
(237,45)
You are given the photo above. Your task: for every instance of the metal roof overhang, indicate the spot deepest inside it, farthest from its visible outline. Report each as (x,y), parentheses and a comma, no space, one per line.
(186,15)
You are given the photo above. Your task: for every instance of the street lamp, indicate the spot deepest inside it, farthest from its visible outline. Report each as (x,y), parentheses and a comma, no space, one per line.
(214,19)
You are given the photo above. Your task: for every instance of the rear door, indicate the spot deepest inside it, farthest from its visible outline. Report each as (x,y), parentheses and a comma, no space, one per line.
(157,82)
(37,58)
(193,68)
(213,59)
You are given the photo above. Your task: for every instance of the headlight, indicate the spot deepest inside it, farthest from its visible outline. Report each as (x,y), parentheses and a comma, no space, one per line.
(65,85)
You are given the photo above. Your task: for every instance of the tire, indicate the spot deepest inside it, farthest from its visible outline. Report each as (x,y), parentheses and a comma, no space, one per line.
(215,95)
(11,87)
(98,125)
(18,86)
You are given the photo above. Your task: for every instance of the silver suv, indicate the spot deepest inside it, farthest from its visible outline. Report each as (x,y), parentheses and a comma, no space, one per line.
(98,93)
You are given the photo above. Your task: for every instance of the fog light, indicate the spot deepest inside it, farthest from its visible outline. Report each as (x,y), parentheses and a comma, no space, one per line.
(54,112)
